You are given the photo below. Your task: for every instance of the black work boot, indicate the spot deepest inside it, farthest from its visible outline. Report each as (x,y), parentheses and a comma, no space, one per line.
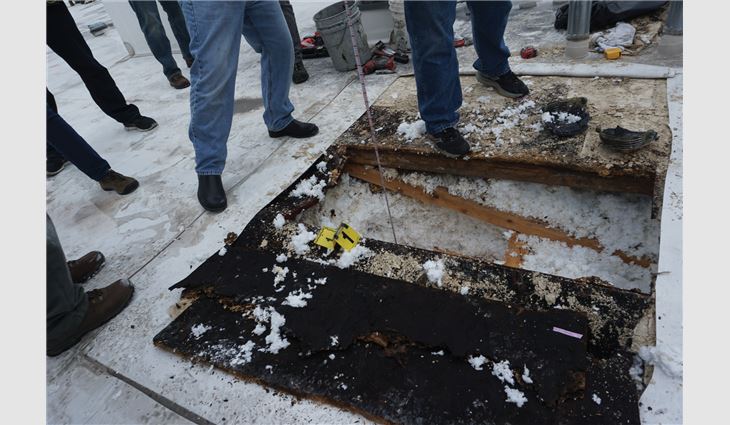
(211,194)
(297,129)
(300,74)
(55,166)
(86,267)
(451,141)
(141,123)
(104,304)
(507,85)
(123,185)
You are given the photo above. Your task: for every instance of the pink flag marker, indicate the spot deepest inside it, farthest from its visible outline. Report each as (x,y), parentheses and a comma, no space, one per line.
(565,332)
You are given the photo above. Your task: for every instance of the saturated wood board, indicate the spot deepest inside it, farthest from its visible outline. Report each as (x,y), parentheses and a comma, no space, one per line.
(508,145)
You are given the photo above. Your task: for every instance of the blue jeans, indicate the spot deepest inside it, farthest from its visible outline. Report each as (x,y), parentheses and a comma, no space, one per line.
(430,29)
(215,29)
(149,20)
(64,139)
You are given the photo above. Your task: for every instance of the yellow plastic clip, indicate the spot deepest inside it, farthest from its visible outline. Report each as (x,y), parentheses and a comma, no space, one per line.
(326,238)
(346,237)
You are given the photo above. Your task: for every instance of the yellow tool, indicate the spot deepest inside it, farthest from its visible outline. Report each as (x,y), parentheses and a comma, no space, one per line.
(326,238)
(612,53)
(346,237)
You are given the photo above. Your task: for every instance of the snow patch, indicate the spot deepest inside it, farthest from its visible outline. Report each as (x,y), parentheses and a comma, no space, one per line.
(477,362)
(279,221)
(199,329)
(310,187)
(300,241)
(222,251)
(334,340)
(596,399)
(297,299)
(412,130)
(503,372)
(526,376)
(515,396)
(352,256)
(245,352)
(434,271)
(281,258)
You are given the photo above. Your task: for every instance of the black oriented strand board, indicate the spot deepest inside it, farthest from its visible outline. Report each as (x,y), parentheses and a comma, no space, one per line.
(404,381)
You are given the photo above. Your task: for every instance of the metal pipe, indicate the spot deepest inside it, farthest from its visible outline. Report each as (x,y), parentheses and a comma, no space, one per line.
(579,20)
(673,26)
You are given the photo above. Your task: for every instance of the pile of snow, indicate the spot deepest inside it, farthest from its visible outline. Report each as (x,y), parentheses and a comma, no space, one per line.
(199,329)
(334,340)
(281,258)
(477,362)
(352,256)
(515,396)
(300,242)
(279,274)
(596,399)
(464,290)
(412,130)
(322,167)
(560,117)
(510,117)
(526,376)
(320,281)
(434,271)
(503,372)
(667,362)
(222,251)
(279,221)
(297,299)
(274,340)
(310,187)
(245,352)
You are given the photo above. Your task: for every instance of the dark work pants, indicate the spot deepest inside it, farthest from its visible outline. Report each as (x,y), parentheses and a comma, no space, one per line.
(66,302)
(154,32)
(291,22)
(63,139)
(64,38)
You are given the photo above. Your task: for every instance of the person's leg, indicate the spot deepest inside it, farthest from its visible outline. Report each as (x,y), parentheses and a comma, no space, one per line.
(489,20)
(265,30)
(178,26)
(291,22)
(64,38)
(215,39)
(430,29)
(72,146)
(51,153)
(66,303)
(151,25)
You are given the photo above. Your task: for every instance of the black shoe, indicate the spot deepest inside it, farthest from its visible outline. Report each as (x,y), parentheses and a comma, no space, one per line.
(211,194)
(451,141)
(297,129)
(507,85)
(55,165)
(189,62)
(141,123)
(300,74)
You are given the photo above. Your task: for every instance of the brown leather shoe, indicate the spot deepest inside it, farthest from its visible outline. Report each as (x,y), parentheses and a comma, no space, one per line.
(104,304)
(123,185)
(86,267)
(178,81)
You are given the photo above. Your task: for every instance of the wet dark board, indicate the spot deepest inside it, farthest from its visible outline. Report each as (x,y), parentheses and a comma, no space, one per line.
(387,333)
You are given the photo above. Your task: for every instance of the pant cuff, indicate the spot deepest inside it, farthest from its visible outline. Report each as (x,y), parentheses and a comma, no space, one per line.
(209,172)
(288,121)
(438,128)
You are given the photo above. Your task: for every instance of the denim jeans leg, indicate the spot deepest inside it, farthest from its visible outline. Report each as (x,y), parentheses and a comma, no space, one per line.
(489,20)
(178,26)
(265,29)
(63,138)
(215,40)
(149,21)
(430,29)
